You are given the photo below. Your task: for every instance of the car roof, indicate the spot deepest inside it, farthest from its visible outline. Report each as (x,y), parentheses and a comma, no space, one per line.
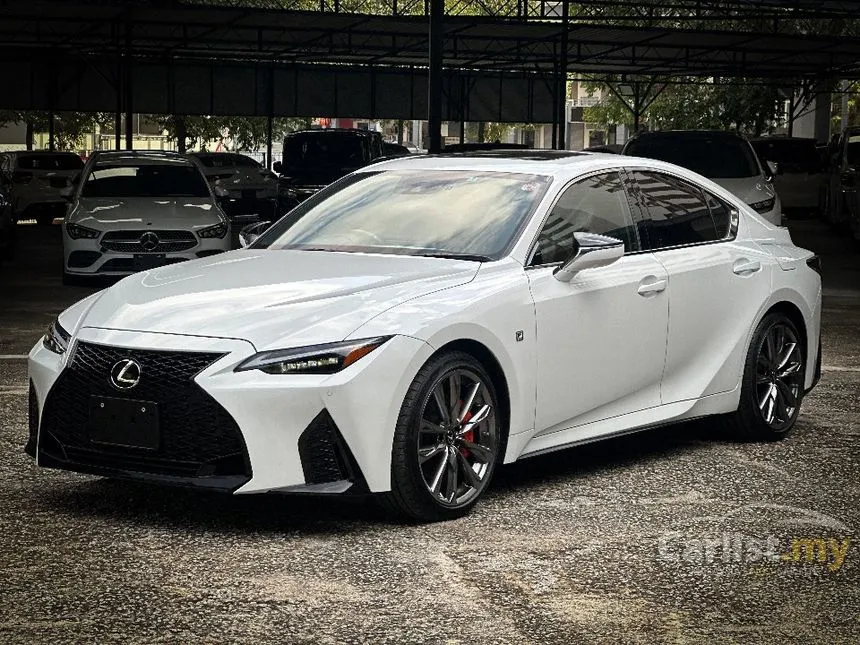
(535,162)
(137,157)
(689,134)
(329,131)
(41,152)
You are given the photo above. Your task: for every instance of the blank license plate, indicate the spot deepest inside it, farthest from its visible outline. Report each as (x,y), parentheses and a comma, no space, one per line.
(150,261)
(124,422)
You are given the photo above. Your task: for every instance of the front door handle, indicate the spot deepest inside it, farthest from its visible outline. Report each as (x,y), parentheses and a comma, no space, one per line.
(651,285)
(746,267)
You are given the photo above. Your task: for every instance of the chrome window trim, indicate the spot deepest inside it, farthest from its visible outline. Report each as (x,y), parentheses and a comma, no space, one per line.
(604,171)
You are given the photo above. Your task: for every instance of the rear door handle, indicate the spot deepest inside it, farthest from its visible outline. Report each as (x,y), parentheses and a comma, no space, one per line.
(746,267)
(651,285)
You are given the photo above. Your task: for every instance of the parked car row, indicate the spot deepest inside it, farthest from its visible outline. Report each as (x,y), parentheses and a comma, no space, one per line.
(840,205)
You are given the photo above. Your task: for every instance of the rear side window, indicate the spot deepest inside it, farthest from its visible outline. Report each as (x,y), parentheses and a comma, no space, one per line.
(50,162)
(597,204)
(676,211)
(722,216)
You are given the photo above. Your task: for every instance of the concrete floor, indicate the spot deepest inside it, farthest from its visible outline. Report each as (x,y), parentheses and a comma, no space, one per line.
(674,535)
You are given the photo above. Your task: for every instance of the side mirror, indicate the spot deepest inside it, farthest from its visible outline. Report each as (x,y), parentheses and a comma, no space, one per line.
(249,234)
(771,170)
(67,193)
(591,251)
(278,167)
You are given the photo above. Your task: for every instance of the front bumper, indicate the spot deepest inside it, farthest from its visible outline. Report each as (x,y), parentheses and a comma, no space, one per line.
(89,257)
(299,433)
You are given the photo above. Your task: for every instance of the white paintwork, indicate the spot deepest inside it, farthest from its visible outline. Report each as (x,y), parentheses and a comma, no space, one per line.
(651,338)
(238,178)
(106,214)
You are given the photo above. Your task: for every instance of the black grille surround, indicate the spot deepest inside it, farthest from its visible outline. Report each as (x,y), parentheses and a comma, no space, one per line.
(201,444)
(130,242)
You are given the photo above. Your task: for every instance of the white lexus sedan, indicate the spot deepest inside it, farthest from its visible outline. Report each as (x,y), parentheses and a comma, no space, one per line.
(423,320)
(133,211)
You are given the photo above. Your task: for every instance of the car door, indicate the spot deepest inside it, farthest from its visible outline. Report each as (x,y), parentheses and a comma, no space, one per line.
(601,338)
(716,283)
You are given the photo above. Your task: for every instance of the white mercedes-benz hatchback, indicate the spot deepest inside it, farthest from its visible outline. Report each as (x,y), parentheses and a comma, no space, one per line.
(423,320)
(139,210)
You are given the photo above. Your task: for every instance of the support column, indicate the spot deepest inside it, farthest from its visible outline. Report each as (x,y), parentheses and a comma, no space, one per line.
(434,102)
(181,134)
(270,127)
(822,116)
(51,142)
(562,91)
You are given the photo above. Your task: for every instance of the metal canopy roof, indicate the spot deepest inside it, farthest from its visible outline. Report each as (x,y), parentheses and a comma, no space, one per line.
(502,58)
(165,29)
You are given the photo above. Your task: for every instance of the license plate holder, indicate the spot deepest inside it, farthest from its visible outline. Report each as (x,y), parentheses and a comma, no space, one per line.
(126,423)
(149,261)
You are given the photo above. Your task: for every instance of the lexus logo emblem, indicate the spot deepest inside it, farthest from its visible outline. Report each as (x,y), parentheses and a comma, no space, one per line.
(149,241)
(125,374)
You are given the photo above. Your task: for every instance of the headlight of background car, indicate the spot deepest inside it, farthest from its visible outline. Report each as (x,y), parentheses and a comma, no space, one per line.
(56,339)
(316,359)
(764,205)
(219,230)
(76,232)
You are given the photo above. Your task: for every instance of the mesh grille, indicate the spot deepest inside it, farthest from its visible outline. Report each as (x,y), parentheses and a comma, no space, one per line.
(129,241)
(197,434)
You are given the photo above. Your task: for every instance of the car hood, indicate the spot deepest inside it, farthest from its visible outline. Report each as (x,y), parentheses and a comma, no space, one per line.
(749,189)
(274,299)
(110,214)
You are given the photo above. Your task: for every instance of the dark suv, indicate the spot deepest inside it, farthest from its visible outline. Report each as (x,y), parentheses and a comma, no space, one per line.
(843,172)
(312,159)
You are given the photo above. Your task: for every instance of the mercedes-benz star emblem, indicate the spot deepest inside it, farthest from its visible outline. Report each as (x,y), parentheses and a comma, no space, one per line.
(125,374)
(149,241)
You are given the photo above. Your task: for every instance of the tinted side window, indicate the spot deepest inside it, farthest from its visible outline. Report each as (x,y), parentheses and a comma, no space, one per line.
(721,214)
(677,212)
(596,204)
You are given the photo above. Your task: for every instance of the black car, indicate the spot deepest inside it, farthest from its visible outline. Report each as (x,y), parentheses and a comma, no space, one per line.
(312,159)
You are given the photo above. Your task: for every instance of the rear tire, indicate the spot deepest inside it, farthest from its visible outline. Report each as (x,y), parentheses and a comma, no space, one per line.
(773,380)
(447,440)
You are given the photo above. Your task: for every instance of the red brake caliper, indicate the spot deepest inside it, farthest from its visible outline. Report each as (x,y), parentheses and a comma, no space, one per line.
(468,436)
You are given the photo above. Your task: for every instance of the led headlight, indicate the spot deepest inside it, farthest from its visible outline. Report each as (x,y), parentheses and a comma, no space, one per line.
(56,339)
(219,230)
(76,232)
(764,205)
(316,359)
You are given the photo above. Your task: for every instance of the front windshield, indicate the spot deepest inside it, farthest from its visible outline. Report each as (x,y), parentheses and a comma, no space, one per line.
(145,180)
(713,157)
(472,214)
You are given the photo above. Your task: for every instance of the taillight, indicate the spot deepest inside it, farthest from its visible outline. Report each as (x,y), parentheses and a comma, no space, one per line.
(814,263)
(22,177)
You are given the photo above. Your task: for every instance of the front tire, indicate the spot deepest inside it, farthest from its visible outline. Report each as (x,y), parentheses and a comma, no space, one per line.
(447,440)
(773,380)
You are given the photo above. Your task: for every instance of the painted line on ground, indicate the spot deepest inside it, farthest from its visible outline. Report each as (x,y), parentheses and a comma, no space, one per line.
(13,357)
(836,368)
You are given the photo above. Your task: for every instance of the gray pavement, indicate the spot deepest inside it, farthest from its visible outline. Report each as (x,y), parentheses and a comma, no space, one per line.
(674,535)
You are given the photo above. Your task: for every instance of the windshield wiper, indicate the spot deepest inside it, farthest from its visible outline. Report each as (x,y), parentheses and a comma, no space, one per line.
(473,257)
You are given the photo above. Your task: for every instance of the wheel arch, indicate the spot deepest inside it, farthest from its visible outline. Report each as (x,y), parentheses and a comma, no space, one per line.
(795,315)
(485,356)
